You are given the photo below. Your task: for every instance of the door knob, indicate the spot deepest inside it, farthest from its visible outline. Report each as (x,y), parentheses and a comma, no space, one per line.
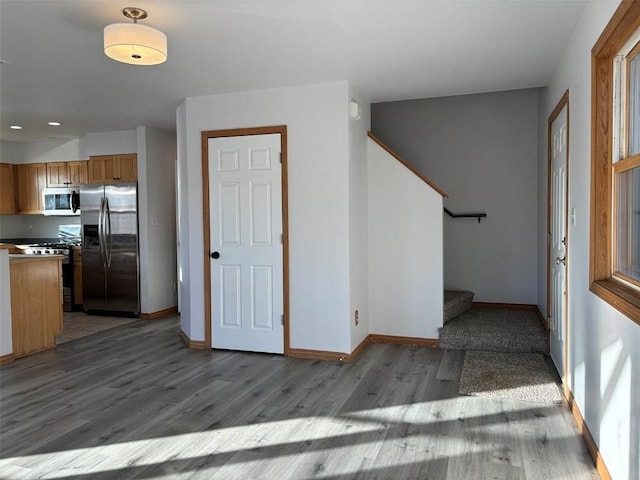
(215,255)
(562,260)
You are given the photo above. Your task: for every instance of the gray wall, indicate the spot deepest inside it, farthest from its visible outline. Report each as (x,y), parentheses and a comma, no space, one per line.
(604,353)
(482,150)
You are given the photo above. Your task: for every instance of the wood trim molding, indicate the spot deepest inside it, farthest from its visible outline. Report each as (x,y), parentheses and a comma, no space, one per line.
(624,22)
(240,132)
(159,314)
(406,164)
(601,467)
(8,358)
(360,348)
(206,216)
(320,355)
(396,340)
(369,339)
(506,306)
(193,344)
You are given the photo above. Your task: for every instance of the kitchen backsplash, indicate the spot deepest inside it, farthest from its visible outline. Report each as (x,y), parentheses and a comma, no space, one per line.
(33,226)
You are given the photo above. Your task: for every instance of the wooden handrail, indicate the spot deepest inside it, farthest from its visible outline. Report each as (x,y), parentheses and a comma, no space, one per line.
(410,167)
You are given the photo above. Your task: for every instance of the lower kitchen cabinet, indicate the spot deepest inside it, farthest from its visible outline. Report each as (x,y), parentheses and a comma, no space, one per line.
(36,302)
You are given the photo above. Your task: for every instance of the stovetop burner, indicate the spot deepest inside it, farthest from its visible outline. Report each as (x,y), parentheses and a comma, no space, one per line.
(57,245)
(50,249)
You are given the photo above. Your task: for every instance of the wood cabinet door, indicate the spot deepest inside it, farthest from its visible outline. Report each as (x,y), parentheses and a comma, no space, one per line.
(36,304)
(78,172)
(102,168)
(127,168)
(8,204)
(31,181)
(113,168)
(57,174)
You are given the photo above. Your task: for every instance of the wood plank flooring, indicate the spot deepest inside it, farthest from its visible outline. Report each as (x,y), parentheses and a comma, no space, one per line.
(135,403)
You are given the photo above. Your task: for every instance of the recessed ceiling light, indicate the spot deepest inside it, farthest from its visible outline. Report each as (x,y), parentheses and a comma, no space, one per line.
(15,127)
(54,124)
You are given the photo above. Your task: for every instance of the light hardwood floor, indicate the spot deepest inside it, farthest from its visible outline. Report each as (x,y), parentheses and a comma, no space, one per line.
(134,402)
(79,324)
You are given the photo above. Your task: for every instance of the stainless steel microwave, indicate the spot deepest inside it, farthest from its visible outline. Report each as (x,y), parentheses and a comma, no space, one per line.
(61,201)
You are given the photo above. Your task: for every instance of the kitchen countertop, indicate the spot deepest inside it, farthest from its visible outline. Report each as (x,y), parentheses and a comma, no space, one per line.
(30,241)
(21,257)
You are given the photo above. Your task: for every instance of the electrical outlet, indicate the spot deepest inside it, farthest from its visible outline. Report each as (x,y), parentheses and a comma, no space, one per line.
(357,319)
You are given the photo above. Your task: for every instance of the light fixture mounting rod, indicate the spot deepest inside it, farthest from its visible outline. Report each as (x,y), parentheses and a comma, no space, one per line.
(134,13)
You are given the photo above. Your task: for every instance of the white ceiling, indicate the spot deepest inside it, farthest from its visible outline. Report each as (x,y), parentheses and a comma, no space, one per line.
(389,50)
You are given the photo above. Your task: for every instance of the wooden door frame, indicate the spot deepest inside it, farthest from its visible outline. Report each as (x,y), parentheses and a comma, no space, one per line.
(241,132)
(564,102)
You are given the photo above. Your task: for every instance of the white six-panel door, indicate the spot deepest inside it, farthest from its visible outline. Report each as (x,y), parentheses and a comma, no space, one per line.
(246,237)
(558,240)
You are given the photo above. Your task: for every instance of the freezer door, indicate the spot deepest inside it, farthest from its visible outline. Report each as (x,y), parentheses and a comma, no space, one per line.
(122,247)
(93,271)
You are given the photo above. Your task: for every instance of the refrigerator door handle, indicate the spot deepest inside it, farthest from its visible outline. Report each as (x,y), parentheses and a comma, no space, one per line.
(107,219)
(101,232)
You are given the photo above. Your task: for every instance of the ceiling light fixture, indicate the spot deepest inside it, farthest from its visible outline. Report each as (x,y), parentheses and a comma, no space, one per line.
(15,127)
(133,43)
(54,124)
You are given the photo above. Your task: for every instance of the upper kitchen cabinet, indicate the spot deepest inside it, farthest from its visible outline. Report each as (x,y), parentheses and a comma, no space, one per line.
(110,168)
(8,205)
(31,180)
(65,174)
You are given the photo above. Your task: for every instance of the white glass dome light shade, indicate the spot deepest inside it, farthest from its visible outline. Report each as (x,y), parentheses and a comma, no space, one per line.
(135,44)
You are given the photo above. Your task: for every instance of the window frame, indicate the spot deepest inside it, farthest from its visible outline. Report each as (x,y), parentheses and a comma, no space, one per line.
(620,29)
(634,52)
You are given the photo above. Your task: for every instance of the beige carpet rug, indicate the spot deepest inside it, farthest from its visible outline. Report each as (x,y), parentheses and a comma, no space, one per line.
(515,376)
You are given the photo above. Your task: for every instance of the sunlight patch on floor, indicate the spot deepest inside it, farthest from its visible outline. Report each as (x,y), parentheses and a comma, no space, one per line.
(267,446)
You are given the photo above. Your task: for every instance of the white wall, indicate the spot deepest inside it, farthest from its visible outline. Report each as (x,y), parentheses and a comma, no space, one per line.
(109,143)
(358,221)
(157,229)
(604,358)
(184,273)
(318,146)
(10,152)
(33,226)
(482,150)
(46,151)
(405,250)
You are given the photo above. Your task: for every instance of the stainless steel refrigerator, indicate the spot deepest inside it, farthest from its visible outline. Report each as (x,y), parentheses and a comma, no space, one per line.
(110,265)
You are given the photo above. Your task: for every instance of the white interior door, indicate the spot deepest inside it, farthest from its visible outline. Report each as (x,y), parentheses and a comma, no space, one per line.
(558,240)
(246,243)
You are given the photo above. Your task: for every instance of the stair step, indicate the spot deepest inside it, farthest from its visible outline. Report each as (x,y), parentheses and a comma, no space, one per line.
(456,302)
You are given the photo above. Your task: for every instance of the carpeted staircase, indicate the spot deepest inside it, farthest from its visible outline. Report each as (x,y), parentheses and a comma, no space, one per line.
(456,303)
(489,329)
(505,351)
